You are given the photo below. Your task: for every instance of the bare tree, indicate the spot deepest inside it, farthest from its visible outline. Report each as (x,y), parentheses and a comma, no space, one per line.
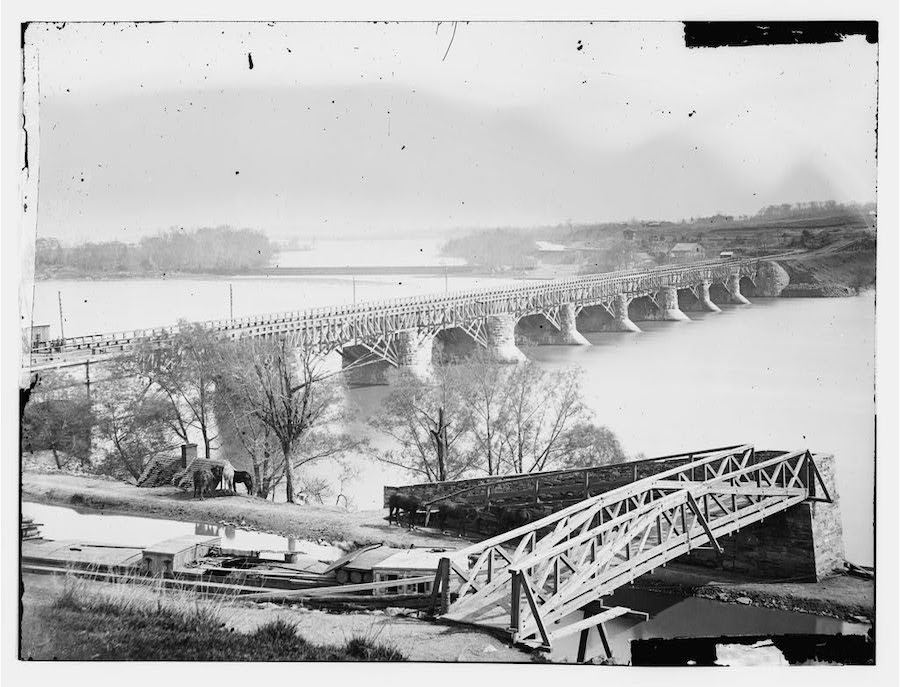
(58,418)
(184,369)
(134,420)
(481,383)
(286,391)
(542,407)
(425,416)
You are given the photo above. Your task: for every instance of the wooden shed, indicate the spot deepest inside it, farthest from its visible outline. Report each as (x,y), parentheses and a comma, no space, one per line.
(174,554)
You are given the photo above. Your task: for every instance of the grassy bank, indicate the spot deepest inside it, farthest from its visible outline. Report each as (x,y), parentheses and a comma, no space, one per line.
(355,634)
(135,623)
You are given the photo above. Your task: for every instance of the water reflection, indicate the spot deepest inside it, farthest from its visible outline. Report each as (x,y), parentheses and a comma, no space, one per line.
(60,523)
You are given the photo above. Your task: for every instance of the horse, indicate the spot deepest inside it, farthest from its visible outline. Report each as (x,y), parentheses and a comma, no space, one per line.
(511,518)
(399,501)
(203,482)
(459,512)
(245,478)
(228,476)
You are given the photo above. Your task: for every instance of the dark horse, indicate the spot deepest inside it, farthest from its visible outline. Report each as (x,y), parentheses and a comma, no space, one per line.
(459,513)
(399,501)
(245,478)
(204,481)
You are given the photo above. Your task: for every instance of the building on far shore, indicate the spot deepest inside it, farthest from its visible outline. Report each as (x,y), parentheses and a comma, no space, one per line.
(686,251)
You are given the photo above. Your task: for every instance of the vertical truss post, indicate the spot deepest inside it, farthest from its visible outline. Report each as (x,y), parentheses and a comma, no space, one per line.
(515,621)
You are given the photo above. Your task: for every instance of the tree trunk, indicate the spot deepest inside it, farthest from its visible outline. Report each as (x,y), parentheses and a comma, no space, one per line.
(439,437)
(288,472)
(56,458)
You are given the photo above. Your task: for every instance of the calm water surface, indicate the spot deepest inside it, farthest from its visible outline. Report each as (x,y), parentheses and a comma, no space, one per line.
(60,523)
(779,373)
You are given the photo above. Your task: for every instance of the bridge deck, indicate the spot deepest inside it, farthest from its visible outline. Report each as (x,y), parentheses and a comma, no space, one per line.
(533,580)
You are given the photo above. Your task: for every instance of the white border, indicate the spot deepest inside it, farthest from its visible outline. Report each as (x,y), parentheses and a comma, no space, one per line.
(886,11)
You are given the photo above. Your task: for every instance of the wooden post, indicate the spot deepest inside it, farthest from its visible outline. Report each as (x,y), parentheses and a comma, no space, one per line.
(582,645)
(445,585)
(62,331)
(514,606)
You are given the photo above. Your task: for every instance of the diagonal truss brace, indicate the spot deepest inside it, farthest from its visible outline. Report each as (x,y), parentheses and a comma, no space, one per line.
(476,331)
(705,525)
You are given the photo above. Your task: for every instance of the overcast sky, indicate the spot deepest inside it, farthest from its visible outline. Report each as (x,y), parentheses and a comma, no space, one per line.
(364,129)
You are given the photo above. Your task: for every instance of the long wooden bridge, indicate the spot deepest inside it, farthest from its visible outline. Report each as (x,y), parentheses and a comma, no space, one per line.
(400,331)
(546,580)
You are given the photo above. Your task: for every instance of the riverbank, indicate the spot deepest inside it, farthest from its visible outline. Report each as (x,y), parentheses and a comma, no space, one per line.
(842,269)
(311,522)
(842,596)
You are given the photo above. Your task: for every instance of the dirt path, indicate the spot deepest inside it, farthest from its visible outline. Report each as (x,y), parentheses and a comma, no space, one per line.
(303,521)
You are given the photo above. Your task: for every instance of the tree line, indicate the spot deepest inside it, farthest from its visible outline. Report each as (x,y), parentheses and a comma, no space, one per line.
(209,249)
(282,413)
(494,249)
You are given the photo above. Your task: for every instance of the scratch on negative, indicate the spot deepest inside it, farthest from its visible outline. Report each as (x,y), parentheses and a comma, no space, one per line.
(452,36)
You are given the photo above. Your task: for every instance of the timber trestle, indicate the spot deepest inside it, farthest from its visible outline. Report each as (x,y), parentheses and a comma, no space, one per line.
(539,581)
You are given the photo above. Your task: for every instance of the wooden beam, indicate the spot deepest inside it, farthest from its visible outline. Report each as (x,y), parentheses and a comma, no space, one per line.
(534,610)
(591,621)
(705,525)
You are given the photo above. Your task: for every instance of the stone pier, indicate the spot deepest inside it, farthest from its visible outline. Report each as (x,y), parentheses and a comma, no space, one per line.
(662,308)
(733,286)
(568,332)
(667,299)
(501,339)
(771,279)
(805,541)
(414,350)
(705,303)
(620,322)
(538,329)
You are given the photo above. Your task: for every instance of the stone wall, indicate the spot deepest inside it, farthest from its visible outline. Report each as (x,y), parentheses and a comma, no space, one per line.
(805,541)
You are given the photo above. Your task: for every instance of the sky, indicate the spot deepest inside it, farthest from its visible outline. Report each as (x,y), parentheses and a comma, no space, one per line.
(393,130)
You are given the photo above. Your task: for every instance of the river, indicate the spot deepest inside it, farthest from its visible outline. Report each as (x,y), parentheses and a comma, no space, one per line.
(780,373)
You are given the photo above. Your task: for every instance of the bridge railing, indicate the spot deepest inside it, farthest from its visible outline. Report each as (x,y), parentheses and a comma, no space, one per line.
(589,549)
(526,488)
(491,301)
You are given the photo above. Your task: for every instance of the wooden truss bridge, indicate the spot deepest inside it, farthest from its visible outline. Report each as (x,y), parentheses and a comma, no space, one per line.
(375,326)
(537,581)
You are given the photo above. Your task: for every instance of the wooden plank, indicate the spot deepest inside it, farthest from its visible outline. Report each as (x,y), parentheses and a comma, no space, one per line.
(348,588)
(592,621)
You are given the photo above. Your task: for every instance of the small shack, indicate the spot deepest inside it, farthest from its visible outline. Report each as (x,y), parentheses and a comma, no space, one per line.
(409,563)
(686,251)
(171,555)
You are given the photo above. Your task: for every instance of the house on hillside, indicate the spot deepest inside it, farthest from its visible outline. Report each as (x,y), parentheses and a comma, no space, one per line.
(687,251)
(628,234)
